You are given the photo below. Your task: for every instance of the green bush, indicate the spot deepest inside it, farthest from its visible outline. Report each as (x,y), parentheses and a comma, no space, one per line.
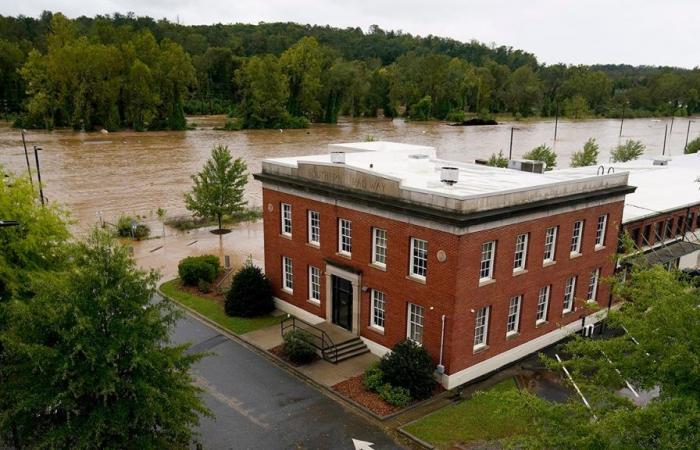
(628,151)
(422,109)
(250,294)
(456,115)
(394,395)
(298,346)
(373,378)
(543,153)
(693,146)
(142,230)
(204,286)
(194,269)
(588,156)
(498,160)
(408,365)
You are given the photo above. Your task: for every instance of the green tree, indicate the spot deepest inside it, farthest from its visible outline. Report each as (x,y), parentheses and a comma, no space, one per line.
(218,189)
(264,93)
(543,153)
(174,75)
(87,362)
(588,156)
(498,160)
(524,94)
(628,151)
(693,146)
(576,107)
(302,65)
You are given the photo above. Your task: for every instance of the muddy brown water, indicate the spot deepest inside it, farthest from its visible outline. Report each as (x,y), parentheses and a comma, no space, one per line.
(137,173)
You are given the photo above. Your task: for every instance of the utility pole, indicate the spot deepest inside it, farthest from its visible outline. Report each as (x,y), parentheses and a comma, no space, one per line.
(26,156)
(510,152)
(624,105)
(556,122)
(38,173)
(687,134)
(663,152)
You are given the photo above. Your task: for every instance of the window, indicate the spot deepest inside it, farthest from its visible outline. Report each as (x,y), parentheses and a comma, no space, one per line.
(576,237)
(377,319)
(286,219)
(379,247)
(646,235)
(419,258)
(520,252)
(415,323)
(569,293)
(287,274)
(481,327)
(314,227)
(488,250)
(657,232)
(600,230)
(542,305)
(550,244)
(679,226)
(513,323)
(314,284)
(689,222)
(344,236)
(668,232)
(593,285)
(635,236)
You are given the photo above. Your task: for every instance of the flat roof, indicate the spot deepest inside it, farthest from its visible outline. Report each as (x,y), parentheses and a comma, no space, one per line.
(660,188)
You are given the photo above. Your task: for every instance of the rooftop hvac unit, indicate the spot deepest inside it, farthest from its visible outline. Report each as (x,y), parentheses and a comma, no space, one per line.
(527,165)
(661,161)
(338,157)
(449,175)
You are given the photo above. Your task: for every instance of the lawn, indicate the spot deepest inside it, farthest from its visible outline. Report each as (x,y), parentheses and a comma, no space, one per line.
(214,310)
(478,419)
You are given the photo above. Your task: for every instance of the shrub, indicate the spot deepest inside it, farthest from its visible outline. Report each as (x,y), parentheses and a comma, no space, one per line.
(422,109)
(373,378)
(628,151)
(394,395)
(544,154)
(693,146)
(586,157)
(250,294)
(456,115)
(194,269)
(141,231)
(298,346)
(409,366)
(204,286)
(498,160)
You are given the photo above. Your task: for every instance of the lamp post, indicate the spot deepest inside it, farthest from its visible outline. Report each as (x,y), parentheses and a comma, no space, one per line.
(687,134)
(556,121)
(624,106)
(510,151)
(26,156)
(38,173)
(663,151)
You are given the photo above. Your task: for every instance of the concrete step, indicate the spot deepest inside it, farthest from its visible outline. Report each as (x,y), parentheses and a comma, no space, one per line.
(346,350)
(351,354)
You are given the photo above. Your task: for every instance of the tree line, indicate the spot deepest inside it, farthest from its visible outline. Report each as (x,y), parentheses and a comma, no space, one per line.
(120,70)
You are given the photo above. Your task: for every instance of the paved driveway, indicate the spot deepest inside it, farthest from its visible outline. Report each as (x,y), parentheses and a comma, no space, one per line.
(258,405)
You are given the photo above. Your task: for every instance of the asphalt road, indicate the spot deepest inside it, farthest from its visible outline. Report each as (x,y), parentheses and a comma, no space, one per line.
(258,405)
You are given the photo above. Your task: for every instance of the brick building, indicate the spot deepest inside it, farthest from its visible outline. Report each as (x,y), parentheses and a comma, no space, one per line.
(482,266)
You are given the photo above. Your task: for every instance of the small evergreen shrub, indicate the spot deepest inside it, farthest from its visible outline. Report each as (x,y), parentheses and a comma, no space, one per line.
(409,366)
(250,294)
(194,269)
(298,346)
(394,395)
(373,378)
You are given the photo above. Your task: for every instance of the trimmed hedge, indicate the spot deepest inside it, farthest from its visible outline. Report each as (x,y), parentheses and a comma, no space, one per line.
(194,270)
(408,365)
(250,294)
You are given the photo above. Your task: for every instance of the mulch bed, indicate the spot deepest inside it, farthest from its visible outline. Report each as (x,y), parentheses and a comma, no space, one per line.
(354,389)
(213,295)
(279,352)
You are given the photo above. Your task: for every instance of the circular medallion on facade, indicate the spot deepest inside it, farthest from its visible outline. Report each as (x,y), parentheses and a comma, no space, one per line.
(441,256)
(270,207)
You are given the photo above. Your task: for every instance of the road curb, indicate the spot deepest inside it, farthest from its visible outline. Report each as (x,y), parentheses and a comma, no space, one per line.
(416,440)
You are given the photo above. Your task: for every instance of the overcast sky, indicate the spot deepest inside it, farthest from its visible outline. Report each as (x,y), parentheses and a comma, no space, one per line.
(651,32)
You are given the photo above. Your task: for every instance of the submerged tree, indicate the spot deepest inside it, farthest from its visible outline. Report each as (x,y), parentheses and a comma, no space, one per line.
(628,151)
(498,160)
(588,156)
(218,189)
(87,362)
(543,153)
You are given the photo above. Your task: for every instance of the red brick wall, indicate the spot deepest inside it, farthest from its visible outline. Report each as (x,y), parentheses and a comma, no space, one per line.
(451,287)
(679,214)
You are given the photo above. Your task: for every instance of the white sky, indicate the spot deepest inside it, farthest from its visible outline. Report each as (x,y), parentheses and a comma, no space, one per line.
(649,32)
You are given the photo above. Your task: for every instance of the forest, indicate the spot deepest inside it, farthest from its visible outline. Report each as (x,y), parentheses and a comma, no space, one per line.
(125,71)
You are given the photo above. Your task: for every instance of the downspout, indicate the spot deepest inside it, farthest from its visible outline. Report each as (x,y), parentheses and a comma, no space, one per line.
(441,367)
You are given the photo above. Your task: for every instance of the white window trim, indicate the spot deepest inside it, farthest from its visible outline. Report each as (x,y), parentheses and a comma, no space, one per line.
(485,334)
(491,260)
(600,234)
(412,266)
(547,289)
(373,299)
(516,328)
(579,238)
(283,209)
(375,231)
(569,293)
(312,299)
(284,274)
(593,281)
(310,227)
(555,231)
(340,237)
(523,260)
(408,323)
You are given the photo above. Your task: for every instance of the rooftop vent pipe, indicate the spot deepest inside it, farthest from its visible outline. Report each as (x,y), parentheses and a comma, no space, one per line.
(449,175)
(338,157)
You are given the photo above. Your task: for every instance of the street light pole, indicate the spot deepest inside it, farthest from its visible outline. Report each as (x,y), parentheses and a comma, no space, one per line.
(38,174)
(26,156)
(624,105)
(663,151)
(687,134)
(556,122)
(510,152)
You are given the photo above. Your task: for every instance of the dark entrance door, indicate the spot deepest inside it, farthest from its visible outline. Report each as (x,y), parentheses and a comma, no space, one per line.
(342,302)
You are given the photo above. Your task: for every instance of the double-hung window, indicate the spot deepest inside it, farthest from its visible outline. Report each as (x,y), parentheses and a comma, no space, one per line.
(550,244)
(520,252)
(414,330)
(286,219)
(513,322)
(593,285)
(377,309)
(344,237)
(314,284)
(488,253)
(314,227)
(542,305)
(569,293)
(379,242)
(481,327)
(419,258)
(600,230)
(576,237)
(287,274)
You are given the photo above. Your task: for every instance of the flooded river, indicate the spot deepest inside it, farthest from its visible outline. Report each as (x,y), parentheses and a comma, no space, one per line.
(137,173)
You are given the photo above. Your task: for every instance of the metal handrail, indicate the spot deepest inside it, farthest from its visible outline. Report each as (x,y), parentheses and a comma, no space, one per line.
(326,343)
